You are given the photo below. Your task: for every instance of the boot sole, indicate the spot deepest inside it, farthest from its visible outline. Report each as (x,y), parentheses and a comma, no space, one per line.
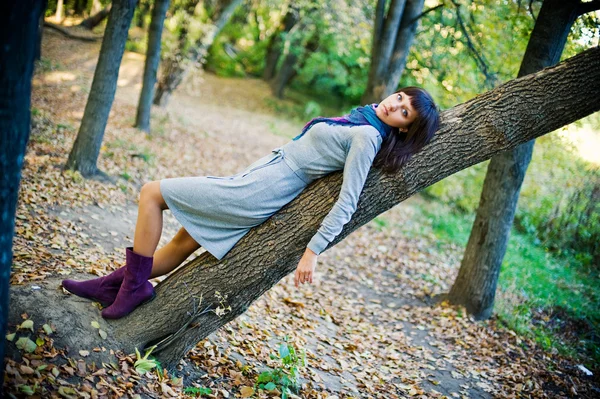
(141,303)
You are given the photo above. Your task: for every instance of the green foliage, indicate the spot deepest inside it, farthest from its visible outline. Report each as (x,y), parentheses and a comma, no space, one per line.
(144,364)
(137,45)
(46,65)
(565,220)
(284,377)
(197,391)
(532,282)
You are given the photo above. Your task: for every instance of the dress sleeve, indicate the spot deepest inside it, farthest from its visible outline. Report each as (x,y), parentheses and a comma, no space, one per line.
(356,167)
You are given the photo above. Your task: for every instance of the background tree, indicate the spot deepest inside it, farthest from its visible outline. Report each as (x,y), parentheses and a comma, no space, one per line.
(159,11)
(19,22)
(393,35)
(59,11)
(470,133)
(84,154)
(96,18)
(176,67)
(299,49)
(276,41)
(475,286)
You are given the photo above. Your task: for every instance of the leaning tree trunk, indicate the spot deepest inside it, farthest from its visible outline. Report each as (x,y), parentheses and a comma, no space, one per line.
(19,30)
(159,11)
(475,286)
(84,154)
(96,18)
(470,133)
(393,35)
(177,68)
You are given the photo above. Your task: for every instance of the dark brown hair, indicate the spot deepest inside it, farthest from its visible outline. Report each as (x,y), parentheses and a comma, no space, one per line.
(399,146)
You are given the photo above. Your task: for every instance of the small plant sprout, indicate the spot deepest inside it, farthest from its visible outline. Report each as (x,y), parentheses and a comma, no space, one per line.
(285,376)
(143,364)
(197,391)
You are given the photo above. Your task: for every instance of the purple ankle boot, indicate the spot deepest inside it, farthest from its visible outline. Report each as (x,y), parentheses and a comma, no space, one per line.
(102,289)
(135,289)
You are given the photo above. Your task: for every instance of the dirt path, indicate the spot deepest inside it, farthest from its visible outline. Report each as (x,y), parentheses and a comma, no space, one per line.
(367,324)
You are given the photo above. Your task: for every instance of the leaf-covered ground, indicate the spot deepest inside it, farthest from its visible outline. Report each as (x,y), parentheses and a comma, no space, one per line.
(368,324)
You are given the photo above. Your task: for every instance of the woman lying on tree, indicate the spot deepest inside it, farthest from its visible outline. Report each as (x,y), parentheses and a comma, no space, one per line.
(216,212)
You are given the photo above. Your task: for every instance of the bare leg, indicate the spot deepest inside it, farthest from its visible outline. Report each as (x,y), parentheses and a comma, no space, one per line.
(148,227)
(174,253)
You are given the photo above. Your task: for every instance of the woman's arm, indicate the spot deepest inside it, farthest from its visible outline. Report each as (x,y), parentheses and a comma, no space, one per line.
(360,157)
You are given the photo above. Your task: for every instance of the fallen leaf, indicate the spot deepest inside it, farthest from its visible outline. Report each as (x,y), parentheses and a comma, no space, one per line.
(246,391)
(27,324)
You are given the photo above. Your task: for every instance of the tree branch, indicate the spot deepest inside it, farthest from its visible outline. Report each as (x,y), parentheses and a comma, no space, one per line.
(490,79)
(590,6)
(426,12)
(71,35)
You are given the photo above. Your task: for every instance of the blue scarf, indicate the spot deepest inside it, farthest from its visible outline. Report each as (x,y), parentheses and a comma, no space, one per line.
(357,117)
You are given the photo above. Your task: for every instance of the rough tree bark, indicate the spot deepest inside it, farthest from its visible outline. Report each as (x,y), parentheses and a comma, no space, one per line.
(393,35)
(513,113)
(475,286)
(159,11)
(19,30)
(96,18)
(176,69)
(84,154)
(275,46)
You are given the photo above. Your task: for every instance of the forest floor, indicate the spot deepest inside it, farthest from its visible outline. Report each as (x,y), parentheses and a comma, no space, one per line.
(369,324)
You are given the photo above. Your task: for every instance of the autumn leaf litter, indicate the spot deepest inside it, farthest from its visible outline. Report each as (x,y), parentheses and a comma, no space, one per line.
(368,323)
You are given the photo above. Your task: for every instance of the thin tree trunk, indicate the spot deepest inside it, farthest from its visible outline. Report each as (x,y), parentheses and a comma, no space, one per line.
(276,43)
(58,17)
(159,11)
(385,35)
(286,73)
(85,151)
(19,30)
(470,133)
(176,69)
(290,66)
(96,18)
(475,286)
(390,76)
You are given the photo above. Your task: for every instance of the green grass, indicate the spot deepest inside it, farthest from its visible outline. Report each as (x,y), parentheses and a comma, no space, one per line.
(538,291)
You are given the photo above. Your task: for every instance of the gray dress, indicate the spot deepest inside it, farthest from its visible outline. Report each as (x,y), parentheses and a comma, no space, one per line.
(218,211)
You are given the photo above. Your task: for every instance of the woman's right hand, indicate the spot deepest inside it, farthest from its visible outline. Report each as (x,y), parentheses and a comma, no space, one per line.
(306,268)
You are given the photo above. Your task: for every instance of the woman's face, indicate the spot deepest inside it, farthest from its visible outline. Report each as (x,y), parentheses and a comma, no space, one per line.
(396,111)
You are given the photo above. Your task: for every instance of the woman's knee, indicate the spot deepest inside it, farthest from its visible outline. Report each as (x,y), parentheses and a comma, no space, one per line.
(150,192)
